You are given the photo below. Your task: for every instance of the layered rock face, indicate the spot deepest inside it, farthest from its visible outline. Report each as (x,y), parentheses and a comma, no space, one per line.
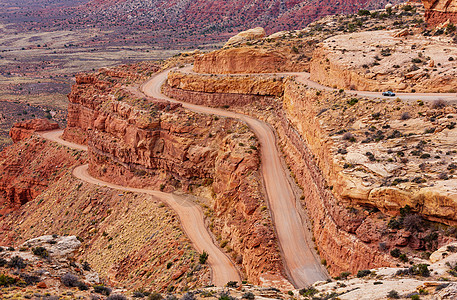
(23,130)
(149,143)
(239,60)
(439,11)
(27,171)
(227,84)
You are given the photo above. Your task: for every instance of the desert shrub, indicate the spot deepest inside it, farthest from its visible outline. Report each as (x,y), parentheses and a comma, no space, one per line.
(248,295)
(116,297)
(101,289)
(225,296)
(29,279)
(310,291)
(405,116)
(16,262)
(344,275)
(421,269)
(439,103)
(3,262)
(6,280)
(171,297)
(188,296)
(203,257)
(393,294)
(349,137)
(352,101)
(232,284)
(40,251)
(69,280)
(403,257)
(415,297)
(86,266)
(363,273)
(412,222)
(155,296)
(395,252)
(394,224)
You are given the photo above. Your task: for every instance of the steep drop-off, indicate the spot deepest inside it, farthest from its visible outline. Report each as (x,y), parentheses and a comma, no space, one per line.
(144,142)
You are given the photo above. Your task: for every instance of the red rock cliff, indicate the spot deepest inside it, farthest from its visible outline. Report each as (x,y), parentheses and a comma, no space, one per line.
(150,143)
(439,11)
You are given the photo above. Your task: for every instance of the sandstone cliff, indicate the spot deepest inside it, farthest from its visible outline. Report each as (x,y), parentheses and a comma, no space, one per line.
(149,143)
(385,62)
(23,130)
(438,11)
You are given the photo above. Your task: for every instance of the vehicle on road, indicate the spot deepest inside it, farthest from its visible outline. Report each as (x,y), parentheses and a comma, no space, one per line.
(388,94)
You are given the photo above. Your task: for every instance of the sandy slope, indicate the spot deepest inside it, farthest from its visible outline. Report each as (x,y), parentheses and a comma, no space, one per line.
(302,263)
(190,215)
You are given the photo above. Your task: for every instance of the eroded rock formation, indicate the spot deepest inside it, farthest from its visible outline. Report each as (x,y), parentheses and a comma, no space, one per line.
(150,143)
(23,130)
(440,11)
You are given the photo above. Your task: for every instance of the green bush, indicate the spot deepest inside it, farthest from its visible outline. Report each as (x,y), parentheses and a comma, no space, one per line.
(203,257)
(363,273)
(41,252)
(395,252)
(6,280)
(393,294)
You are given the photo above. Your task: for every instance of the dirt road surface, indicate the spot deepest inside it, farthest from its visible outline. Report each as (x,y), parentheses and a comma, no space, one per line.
(302,262)
(190,215)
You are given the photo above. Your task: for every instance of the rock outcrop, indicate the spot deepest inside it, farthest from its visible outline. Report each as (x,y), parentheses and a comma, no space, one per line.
(246,36)
(156,144)
(412,64)
(439,11)
(25,129)
(27,172)
(228,84)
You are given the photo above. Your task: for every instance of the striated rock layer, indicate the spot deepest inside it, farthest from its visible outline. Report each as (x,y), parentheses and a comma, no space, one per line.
(227,84)
(334,228)
(439,11)
(156,144)
(23,130)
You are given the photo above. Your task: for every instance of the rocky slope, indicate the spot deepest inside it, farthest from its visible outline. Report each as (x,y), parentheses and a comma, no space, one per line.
(131,240)
(149,143)
(168,23)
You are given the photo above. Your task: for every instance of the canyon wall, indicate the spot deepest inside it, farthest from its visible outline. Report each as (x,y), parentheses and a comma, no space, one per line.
(228,84)
(239,60)
(156,144)
(249,60)
(439,11)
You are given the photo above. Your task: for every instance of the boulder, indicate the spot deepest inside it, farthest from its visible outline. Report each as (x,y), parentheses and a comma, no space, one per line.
(248,35)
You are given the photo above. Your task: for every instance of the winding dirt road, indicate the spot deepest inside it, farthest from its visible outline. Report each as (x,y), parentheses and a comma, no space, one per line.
(304,78)
(302,263)
(190,215)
